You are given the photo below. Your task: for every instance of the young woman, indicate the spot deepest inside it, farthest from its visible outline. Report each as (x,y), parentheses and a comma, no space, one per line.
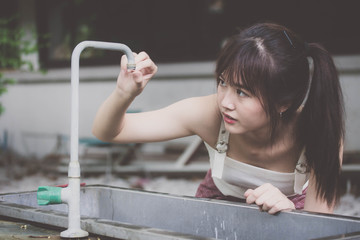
(274,131)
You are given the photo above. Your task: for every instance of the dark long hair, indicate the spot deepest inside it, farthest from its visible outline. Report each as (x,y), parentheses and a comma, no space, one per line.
(272,63)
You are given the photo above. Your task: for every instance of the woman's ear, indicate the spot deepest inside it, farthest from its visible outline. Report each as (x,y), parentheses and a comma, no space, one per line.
(283,108)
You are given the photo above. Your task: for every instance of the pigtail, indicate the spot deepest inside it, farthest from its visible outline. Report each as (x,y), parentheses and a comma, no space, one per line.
(322,124)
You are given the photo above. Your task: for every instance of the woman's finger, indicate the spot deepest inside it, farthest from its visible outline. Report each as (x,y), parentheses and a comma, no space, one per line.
(271,201)
(147,67)
(284,205)
(137,76)
(141,57)
(123,63)
(265,198)
(253,195)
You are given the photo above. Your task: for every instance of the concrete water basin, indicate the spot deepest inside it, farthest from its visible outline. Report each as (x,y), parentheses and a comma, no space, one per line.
(133,214)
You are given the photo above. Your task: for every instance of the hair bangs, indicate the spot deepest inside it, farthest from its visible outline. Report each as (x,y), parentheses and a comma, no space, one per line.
(249,67)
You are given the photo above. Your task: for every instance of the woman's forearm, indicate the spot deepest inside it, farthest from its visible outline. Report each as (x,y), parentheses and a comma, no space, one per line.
(109,118)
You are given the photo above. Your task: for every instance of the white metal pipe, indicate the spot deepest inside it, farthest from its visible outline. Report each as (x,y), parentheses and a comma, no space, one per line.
(72,192)
(74,170)
(71,196)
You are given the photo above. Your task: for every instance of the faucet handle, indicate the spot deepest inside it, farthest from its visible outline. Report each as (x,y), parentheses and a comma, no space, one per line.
(48,195)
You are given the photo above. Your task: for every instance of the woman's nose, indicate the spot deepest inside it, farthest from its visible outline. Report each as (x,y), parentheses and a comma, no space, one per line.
(228,101)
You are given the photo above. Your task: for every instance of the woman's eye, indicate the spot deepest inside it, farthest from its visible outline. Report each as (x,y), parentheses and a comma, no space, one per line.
(222,83)
(241,93)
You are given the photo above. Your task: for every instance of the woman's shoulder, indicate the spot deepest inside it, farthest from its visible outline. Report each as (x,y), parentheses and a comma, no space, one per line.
(204,108)
(207,99)
(206,117)
(203,104)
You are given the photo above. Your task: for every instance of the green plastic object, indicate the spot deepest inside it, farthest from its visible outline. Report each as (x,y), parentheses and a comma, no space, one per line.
(48,195)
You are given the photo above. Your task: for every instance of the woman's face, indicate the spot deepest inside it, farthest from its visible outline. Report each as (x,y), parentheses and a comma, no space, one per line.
(242,112)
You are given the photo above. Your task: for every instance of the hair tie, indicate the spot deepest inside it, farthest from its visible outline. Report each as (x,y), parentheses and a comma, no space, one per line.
(307,93)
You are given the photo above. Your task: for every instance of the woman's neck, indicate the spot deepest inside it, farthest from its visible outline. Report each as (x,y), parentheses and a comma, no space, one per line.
(258,149)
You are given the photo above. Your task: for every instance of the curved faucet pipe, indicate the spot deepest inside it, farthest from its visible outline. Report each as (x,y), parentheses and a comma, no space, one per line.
(74,170)
(71,195)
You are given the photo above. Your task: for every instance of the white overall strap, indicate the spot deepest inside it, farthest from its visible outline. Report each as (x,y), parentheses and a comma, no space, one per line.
(302,174)
(220,155)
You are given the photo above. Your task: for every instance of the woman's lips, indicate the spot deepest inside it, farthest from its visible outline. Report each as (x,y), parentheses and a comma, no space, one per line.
(229,119)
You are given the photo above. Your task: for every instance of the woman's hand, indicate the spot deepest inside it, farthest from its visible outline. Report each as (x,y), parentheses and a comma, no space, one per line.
(269,199)
(131,83)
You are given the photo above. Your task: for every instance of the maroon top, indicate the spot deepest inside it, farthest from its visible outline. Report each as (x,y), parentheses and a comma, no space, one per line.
(208,189)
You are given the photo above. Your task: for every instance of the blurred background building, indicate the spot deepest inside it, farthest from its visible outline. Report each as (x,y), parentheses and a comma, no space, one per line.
(182,37)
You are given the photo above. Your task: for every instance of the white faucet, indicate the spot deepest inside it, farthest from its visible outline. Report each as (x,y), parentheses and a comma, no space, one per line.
(71,194)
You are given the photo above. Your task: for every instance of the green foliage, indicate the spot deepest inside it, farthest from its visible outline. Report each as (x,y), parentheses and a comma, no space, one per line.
(13,47)
(3,83)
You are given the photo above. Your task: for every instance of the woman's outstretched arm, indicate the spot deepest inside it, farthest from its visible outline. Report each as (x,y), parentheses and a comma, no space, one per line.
(198,115)
(109,118)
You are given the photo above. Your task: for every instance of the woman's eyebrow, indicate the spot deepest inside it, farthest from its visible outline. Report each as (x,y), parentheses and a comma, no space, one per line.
(239,85)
